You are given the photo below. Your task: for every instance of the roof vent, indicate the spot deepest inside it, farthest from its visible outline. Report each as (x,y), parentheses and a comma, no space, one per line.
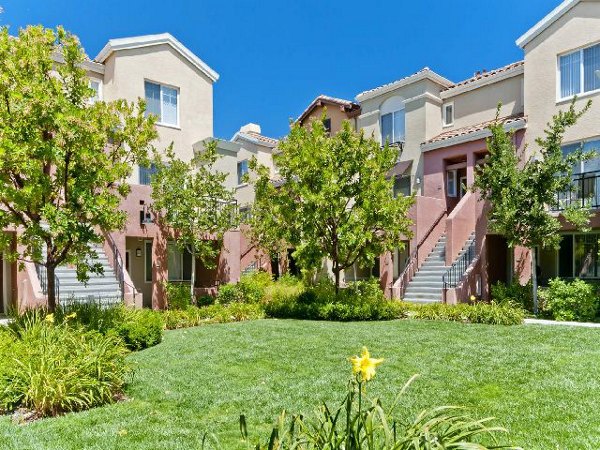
(250,127)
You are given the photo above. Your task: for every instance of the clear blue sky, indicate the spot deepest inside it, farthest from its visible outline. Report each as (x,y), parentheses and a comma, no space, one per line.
(275,56)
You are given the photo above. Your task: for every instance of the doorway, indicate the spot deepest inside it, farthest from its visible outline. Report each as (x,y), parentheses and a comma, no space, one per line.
(462,188)
(127,260)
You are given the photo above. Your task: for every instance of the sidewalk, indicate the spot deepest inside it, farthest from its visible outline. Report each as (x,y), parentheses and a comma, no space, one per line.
(555,323)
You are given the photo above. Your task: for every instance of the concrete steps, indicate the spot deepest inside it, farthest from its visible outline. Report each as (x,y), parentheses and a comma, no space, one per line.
(427,284)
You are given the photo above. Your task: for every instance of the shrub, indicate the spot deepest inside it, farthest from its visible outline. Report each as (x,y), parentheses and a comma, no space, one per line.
(513,293)
(570,301)
(485,313)
(140,328)
(205,300)
(250,289)
(178,295)
(193,316)
(229,293)
(53,369)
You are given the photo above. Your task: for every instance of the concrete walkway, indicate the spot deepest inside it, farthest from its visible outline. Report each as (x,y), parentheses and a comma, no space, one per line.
(556,323)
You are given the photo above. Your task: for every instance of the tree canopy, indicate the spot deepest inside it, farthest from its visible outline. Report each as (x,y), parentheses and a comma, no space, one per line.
(64,158)
(334,199)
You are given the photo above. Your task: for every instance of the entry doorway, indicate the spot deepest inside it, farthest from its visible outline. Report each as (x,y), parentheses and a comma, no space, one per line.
(127,261)
(499,266)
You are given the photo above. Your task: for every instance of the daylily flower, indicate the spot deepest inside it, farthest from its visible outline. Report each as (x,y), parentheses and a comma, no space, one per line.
(473,298)
(365,365)
(49,318)
(72,315)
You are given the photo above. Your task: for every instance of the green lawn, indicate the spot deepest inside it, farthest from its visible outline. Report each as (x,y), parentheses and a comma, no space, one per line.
(543,383)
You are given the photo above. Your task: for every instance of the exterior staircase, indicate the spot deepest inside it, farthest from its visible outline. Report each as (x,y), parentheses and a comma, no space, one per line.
(102,289)
(427,284)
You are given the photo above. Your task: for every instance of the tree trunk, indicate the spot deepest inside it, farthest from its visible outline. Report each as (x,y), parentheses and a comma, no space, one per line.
(534,281)
(336,273)
(193,277)
(51,286)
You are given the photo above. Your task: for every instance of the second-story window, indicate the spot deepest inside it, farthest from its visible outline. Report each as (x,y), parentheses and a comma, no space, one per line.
(146,174)
(97,88)
(242,169)
(579,71)
(327,125)
(448,114)
(162,101)
(392,127)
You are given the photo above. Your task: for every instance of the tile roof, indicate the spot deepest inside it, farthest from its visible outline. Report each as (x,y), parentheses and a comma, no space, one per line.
(423,73)
(259,137)
(472,129)
(348,105)
(485,75)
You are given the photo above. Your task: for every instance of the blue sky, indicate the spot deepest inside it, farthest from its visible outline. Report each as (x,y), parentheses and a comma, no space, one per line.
(275,56)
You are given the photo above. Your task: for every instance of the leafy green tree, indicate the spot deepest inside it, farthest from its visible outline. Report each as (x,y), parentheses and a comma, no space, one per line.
(64,160)
(334,199)
(193,204)
(521,191)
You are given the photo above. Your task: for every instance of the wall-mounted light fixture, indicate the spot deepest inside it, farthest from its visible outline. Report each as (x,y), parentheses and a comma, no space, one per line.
(138,252)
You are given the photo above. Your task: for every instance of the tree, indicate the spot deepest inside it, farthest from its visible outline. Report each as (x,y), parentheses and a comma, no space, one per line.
(193,204)
(520,191)
(334,200)
(64,160)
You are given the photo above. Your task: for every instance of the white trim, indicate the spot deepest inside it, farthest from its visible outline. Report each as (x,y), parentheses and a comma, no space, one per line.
(543,24)
(149,40)
(424,96)
(369,114)
(246,137)
(426,73)
(168,86)
(581,93)
(451,183)
(484,81)
(445,122)
(481,134)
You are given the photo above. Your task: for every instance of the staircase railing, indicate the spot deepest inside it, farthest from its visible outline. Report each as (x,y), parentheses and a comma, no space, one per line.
(412,261)
(42,273)
(117,265)
(456,273)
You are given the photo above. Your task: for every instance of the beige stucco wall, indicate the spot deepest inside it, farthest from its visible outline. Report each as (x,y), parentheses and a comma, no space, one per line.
(125,73)
(248,150)
(332,112)
(577,28)
(422,121)
(480,104)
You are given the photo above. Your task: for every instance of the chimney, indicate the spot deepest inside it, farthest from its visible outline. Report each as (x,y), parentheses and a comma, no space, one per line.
(252,127)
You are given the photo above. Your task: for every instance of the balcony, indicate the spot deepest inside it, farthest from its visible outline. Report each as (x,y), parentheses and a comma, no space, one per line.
(584,192)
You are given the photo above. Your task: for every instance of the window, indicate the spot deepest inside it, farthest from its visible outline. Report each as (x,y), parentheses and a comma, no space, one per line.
(579,71)
(402,185)
(592,165)
(578,256)
(448,114)
(327,125)
(245,214)
(148,261)
(162,101)
(242,169)
(392,127)
(146,174)
(96,85)
(451,183)
(179,263)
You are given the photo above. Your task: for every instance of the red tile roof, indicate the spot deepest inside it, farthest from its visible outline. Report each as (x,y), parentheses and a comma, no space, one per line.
(347,105)
(472,128)
(260,137)
(491,73)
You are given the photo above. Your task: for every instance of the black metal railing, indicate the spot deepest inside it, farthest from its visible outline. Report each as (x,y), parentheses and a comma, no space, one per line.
(455,274)
(584,192)
(117,265)
(42,273)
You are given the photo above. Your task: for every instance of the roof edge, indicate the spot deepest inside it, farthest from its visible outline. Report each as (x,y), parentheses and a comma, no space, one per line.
(484,81)
(156,39)
(423,74)
(548,20)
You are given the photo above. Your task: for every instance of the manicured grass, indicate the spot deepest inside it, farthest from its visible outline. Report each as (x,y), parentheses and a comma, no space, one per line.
(543,383)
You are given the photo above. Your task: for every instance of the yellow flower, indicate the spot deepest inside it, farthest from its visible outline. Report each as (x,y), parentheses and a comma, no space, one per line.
(365,365)
(473,298)
(72,315)
(49,318)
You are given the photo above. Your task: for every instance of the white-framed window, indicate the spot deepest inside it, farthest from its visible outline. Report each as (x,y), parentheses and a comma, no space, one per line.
(96,86)
(448,114)
(163,102)
(579,72)
(179,263)
(451,183)
(146,173)
(393,120)
(242,169)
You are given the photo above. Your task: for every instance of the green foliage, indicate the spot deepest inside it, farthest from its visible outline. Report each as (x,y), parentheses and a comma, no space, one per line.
(53,369)
(229,293)
(513,293)
(250,289)
(205,300)
(334,201)
(191,200)
(178,295)
(63,159)
(570,301)
(193,316)
(140,328)
(485,313)
(362,300)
